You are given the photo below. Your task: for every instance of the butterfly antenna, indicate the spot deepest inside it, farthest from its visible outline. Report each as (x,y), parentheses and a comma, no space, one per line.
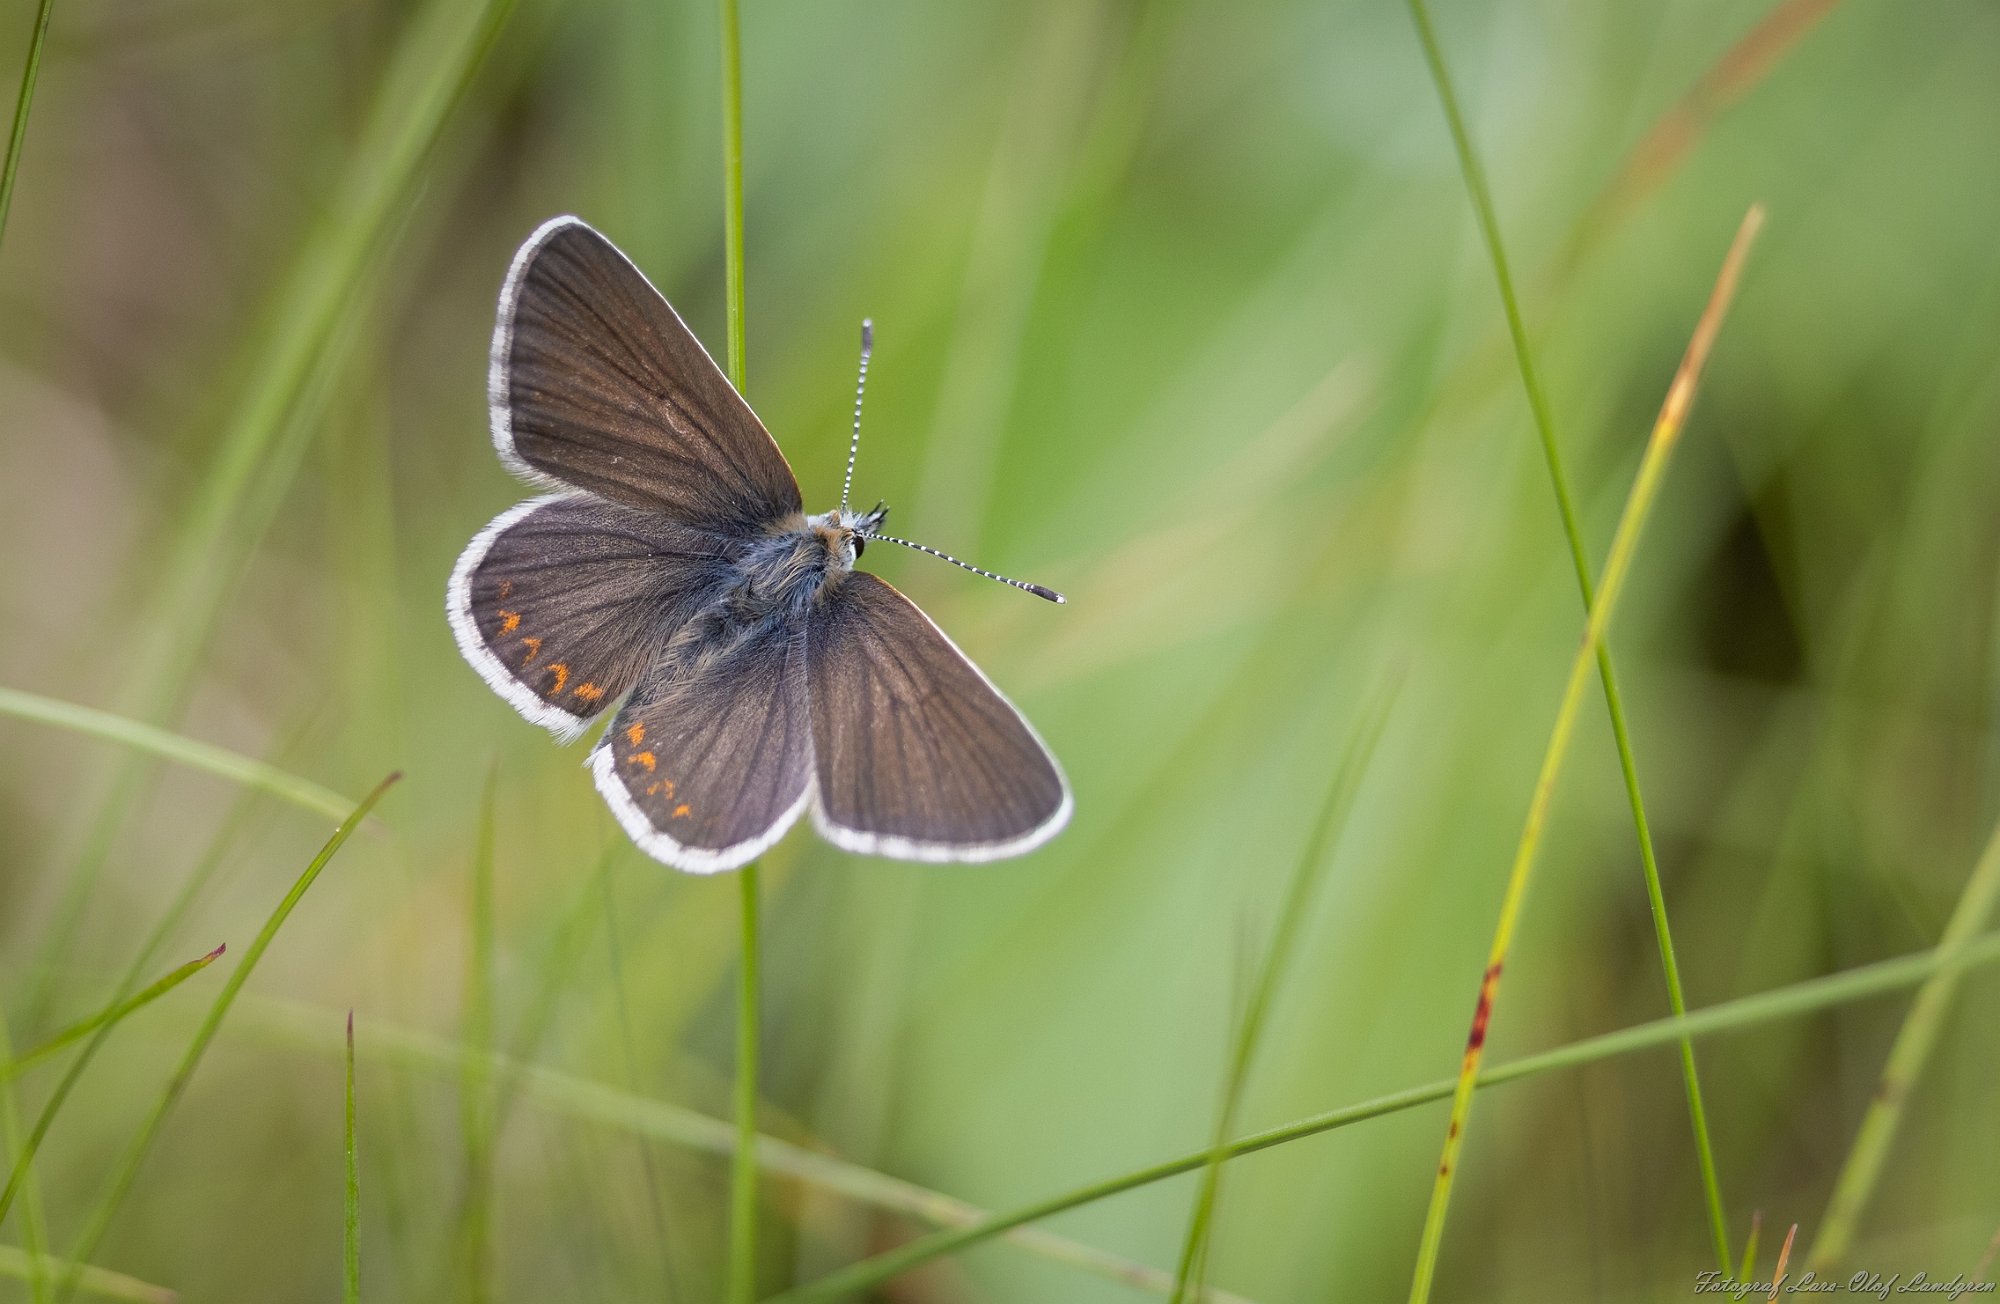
(860,387)
(1036,589)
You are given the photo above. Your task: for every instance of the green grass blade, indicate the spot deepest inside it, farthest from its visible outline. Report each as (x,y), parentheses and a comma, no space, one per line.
(105,1017)
(1544,418)
(1749,1264)
(170,746)
(350,1241)
(18,138)
(1624,545)
(1907,1057)
(1299,894)
(1744,1013)
(91,1280)
(743,1167)
(127,1170)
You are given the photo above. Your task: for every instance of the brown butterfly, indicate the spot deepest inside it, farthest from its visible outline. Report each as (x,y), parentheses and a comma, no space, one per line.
(671,567)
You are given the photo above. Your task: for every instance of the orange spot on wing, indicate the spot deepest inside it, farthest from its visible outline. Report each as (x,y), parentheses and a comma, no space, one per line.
(646,759)
(680,812)
(534,646)
(506,587)
(509,621)
(589,692)
(637,733)
(561,672)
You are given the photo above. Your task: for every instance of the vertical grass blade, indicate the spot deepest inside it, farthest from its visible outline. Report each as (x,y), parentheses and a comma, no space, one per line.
(1624,544)
(350,1243)
(1538,404)
(1299,894)
(1750,1247)
(127,1170)
(743,1169)
(1907,1057)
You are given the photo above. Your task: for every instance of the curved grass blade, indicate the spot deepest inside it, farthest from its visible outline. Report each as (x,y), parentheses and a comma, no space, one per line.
(1332,818)
(1624,544)
(105,1017)
(1786,1002)
(167,745)
(1538,403)
(1907,1057)
(101,1025)
(127,1170)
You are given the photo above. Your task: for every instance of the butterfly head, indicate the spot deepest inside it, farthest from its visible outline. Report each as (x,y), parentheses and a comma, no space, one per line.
(846,533)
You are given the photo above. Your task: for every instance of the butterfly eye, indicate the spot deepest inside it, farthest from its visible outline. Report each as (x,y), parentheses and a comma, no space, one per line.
(860,545)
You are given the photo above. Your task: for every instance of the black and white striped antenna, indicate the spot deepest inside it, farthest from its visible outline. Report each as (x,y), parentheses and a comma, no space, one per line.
(847,484)
(1038,590)
(860,387)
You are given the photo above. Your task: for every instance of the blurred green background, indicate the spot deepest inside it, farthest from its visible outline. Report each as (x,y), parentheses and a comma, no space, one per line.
(1180,309)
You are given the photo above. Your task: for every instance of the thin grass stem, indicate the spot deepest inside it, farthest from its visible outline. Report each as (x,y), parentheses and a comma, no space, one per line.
(127,1170)
(1489,226)
(1624,545)
(1907,1056)
(1750,1246)
(18,138)
(743,1170)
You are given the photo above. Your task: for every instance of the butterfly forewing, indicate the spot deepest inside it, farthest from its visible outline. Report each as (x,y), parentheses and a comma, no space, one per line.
(563,602)
(711,760)
(597,383)
(917,754)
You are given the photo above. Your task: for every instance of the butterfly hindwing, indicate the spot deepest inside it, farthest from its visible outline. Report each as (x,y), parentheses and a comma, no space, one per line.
(562,602)
(917,754)
(711,760)
(597,384)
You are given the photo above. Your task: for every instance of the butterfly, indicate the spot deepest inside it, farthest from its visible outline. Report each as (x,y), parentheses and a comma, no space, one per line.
(670,574)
